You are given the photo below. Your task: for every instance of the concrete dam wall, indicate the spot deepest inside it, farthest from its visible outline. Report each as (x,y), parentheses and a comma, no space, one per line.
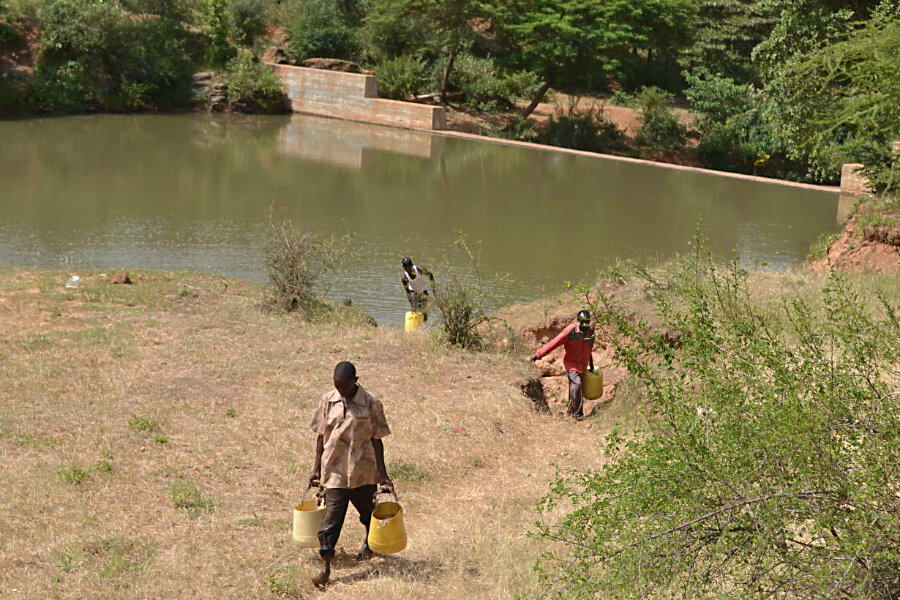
(354,97)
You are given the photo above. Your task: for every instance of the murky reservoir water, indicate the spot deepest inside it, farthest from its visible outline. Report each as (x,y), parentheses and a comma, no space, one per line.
(195,192)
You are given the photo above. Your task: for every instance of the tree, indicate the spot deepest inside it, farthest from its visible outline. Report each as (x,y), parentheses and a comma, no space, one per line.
(836,85)
(726,33)
(566,42)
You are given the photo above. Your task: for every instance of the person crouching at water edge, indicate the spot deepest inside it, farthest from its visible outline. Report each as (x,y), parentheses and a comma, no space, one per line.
(578,339)
(416,286)
(350,425)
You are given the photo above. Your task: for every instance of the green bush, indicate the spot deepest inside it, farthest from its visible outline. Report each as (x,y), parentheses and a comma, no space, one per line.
(583,130)
(736,131)
(98,55)
(484,85)
(253,86)
(318,30)
(294,264)
(401,78)
(765,464)
(248,20)
(389,30)
(9,34)
(63,88)
(660,130)
(219,51)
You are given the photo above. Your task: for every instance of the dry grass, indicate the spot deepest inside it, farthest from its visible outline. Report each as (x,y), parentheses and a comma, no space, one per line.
(96,505)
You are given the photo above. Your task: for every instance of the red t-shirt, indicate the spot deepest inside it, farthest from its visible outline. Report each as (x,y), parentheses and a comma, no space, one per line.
(578,346)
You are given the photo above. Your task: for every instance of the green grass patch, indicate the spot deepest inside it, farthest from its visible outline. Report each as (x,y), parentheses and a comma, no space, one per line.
(125,557)
(104,466)
(160,438)
(408,472)
(187,495)
(142,424)
(73,474)
(282,581)
(230,412)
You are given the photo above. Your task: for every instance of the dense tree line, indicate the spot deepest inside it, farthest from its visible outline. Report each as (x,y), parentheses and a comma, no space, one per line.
(789,88)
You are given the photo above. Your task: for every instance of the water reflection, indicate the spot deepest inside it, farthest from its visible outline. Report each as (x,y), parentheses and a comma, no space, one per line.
(194,192)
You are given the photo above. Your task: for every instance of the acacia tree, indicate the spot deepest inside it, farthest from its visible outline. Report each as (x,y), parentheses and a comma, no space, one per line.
(576,43)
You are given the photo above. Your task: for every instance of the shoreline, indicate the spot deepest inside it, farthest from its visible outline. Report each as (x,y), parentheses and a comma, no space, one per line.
(448,133)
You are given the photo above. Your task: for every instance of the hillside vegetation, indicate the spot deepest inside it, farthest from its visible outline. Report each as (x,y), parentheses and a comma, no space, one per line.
(775,87)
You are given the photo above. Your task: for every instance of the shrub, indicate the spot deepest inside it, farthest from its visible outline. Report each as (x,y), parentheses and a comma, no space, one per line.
(460,299)
(402,77)
(760,471)
(295,264)
(583,130)
(216,14)
(61,88)
(248,20)
(97,55)
(736,133)
(318,30)
(484,85)
(390,30)
(660,129)
(74,474)
(408,472)
(253,84)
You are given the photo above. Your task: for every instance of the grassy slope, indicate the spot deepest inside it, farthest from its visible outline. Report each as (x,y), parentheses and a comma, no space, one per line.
(88,498)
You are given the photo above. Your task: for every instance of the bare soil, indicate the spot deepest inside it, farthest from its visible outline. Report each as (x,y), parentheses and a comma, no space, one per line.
(866,249)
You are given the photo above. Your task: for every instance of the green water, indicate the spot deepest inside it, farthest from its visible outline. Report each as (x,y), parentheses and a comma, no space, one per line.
(195,191)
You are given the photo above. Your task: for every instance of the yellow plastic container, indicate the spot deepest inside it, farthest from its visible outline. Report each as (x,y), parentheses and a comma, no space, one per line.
(593,384)
(308,516)
(414,321)
(387,533)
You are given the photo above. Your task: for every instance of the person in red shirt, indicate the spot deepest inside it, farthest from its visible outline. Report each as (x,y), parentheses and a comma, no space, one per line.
(578,342)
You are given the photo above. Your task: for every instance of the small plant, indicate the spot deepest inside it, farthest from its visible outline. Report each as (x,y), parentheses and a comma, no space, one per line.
(477,462)
(295,264)
(161,438)
(143,424)
(230,412)
(461,303)
(819,248)
(408,472)
(187,495)
(74,474)
(104,466)
(126,557)
(282,582)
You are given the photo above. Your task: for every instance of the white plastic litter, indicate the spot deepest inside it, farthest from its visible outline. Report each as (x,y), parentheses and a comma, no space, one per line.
(73,282)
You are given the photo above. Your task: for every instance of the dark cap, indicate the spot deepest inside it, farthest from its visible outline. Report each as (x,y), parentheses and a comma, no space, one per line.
(406,262)
(583,316)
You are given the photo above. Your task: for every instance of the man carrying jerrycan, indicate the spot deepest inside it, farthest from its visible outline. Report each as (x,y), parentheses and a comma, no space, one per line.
(578,340)
(350,425)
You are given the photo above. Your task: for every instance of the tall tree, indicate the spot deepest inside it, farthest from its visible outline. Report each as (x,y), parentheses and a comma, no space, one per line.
(726,33)
(567,42)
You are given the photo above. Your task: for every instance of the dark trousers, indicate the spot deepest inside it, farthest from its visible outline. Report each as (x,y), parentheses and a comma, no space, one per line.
(576,394)
(336,501)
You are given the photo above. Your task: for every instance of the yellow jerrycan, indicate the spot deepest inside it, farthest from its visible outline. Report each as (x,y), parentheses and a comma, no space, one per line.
(414,321)
(387,532)
(308,516)
(593,384)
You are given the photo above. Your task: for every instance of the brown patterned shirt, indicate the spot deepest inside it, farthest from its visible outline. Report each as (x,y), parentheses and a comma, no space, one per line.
(348,427)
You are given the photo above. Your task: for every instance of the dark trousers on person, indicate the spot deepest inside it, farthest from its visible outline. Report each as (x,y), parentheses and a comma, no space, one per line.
(576,394)
(336,501)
